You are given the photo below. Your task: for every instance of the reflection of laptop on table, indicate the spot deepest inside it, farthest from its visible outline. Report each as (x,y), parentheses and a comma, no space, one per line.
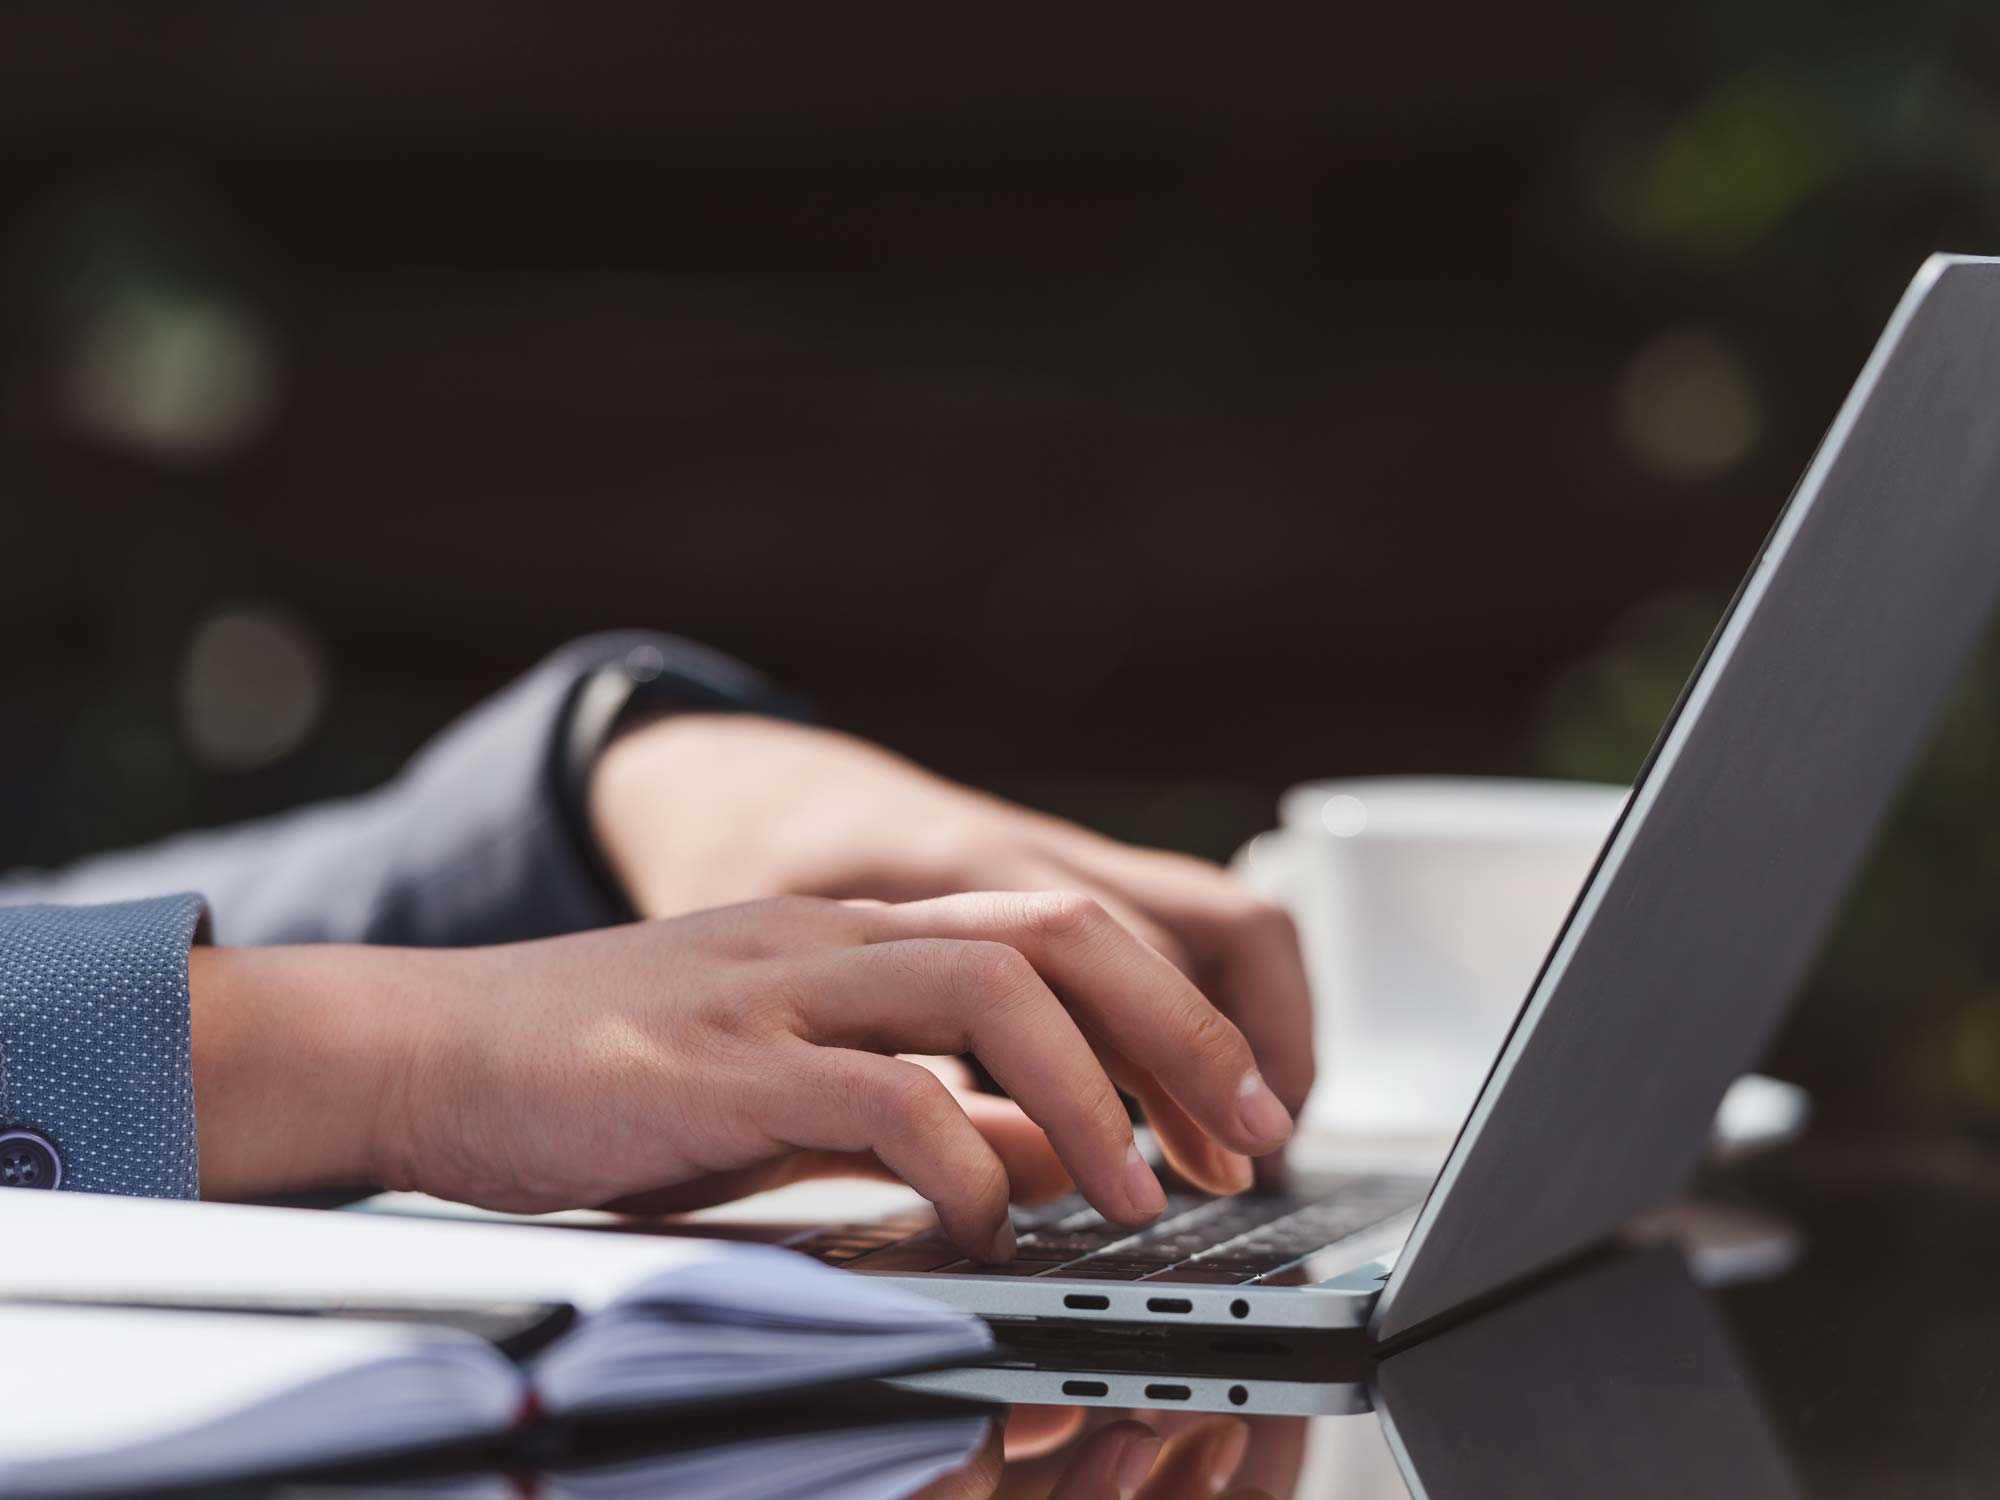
(1618,1379)
(1679,957)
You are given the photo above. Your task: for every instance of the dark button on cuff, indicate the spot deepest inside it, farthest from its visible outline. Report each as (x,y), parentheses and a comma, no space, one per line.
(28,1160)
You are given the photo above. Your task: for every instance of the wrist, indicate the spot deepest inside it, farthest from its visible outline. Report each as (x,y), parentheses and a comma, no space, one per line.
(653,801)
(301,1062)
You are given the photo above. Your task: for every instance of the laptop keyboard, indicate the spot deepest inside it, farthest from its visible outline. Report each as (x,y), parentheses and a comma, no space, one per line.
(1196,1241)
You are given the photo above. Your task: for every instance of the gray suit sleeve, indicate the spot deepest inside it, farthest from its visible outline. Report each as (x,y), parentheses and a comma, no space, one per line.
(477,841)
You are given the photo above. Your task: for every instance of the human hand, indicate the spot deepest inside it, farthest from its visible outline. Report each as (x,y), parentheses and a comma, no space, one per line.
(696,810)
(647,1065)
(1068,1453)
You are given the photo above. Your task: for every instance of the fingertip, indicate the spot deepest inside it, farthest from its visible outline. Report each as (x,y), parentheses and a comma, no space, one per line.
(1000,1249)
(1144,1196)
(1236,1171)
(1224,1446)
(1032,1431)
(1265,1121)
(1136,1460)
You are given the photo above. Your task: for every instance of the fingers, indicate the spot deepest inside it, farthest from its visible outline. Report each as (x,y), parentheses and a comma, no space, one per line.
(956,1075)
(1121,990)
(1245,950)
(726,1187)
(1261,979)
(1039,873)
(1035,1174)
(1276,1455)
(834,1099)
(978,1478)
(1189,1149)
(1035,1431)
(1113,1460)
(1199,1460)
(986,998)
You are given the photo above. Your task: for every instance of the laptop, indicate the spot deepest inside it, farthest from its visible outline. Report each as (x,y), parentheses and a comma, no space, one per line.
(1678,960)
(1618,1379)
(1690,1251)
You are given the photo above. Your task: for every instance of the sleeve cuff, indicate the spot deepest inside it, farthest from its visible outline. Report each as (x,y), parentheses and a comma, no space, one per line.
(490,839)
(94,1048)
(637,673)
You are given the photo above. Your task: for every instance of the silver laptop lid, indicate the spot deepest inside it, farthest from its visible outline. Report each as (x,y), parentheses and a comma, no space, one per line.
(1748,821)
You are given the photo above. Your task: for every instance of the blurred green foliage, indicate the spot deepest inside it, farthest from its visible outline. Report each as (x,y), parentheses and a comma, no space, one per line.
(1724,174)
(1812,140)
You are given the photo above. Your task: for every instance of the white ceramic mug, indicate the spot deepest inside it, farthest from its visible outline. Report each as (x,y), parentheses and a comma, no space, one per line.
(1425,906)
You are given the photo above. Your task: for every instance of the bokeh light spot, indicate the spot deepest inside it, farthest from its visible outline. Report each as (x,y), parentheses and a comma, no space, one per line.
(179,376)
(1687,408)
(252,687)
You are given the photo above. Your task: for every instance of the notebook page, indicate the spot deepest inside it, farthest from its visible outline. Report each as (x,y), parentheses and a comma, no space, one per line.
(91,1245)
(662,1321)
(102,1397)
(869,1462)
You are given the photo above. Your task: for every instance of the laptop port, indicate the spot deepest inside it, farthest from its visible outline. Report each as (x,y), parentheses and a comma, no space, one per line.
(1167,1393)
(1169,1304)
(1085,1303)
(1085,1388)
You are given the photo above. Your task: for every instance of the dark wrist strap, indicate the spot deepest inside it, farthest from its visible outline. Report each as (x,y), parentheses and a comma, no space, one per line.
(639,684)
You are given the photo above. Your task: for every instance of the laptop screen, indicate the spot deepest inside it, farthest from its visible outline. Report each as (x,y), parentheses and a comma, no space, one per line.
(1748,821)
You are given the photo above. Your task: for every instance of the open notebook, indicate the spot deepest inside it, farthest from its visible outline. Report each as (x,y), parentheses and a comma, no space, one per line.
(857,1450)
(599,1322)
(101,1399)
(112,1399)
(854,1461)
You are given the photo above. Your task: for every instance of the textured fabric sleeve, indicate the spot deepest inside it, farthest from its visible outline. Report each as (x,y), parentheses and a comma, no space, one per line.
(475,842)
(94,1040)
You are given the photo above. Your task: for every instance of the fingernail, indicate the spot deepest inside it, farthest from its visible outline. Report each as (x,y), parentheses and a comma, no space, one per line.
(1136,1462)
(1221,1453)
(1258,1108)
(1142,1188)
(1003,1242)
(1236,1169)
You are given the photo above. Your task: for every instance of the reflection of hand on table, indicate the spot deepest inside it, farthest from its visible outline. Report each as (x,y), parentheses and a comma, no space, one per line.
(1068,1453)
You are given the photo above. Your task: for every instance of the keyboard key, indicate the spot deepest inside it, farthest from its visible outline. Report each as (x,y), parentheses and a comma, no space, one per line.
(1043,1215)
(1137,1254)
(1016,1267)
(1213,1241)
(847,1239)
(923,1253)
(1074,1242)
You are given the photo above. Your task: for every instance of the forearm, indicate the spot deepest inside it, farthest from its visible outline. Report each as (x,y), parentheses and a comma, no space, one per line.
(301,1062)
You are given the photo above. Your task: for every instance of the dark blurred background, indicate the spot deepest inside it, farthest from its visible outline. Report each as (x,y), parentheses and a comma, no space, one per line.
(1134,411)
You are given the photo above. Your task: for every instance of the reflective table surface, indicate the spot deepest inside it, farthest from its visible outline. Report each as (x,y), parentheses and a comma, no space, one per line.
(1832,1329)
